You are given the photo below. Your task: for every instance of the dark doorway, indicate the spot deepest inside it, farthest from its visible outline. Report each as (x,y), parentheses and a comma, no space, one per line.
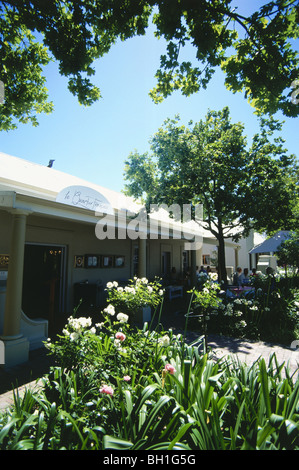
(165,263)
(43,282)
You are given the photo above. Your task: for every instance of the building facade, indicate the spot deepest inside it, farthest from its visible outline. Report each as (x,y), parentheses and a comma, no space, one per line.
(63,239)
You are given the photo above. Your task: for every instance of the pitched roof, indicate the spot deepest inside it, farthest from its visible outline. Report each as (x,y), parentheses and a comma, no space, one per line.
(271,244)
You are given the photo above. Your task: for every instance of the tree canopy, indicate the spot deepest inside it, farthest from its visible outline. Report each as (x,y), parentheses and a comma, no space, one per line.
(209,163)
(256,52)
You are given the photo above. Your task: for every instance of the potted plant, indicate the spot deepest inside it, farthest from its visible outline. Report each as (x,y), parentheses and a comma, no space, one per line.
(136,299)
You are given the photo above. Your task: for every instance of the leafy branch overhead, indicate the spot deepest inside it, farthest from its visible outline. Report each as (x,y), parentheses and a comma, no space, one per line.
(256,52)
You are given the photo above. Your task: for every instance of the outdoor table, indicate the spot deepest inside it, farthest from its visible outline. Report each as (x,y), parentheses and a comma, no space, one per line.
(241,290)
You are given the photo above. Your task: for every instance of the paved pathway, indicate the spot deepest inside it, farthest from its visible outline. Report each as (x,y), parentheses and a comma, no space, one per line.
(22,376)
(251,351)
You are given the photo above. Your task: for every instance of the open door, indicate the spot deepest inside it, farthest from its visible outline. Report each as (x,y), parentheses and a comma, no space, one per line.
(43,282)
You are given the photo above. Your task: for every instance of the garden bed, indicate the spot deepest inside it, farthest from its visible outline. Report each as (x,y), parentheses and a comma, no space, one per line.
(115,386)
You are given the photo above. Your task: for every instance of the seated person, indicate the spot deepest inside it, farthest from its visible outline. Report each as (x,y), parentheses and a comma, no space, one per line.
(202,270)
(236,278)
(244,278)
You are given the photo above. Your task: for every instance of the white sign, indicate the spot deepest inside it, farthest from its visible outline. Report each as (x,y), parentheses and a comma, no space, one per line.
(85,198)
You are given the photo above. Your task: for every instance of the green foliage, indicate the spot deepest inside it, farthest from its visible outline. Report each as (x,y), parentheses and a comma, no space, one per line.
(270,313)
(254,51)
(288,252)
(206,298)
(209,163)
(119,388)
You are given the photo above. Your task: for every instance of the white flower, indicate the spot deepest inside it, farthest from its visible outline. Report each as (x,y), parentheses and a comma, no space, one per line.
(150,289)
(79,323)
(110,310)
(130,290)
(164,341)
(115,284)
(120,289)
(109,285)
(74,336)
(215,286)
(161,292)
(144,280)
(93,330)
(122,317)
(100,325)
(65,332)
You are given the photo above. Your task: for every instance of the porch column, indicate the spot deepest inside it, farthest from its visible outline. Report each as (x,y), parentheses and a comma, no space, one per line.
(193,267)
(237,256)
(142,258)
(16,346)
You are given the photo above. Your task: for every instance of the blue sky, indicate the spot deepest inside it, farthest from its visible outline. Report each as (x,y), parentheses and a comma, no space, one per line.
(93,143)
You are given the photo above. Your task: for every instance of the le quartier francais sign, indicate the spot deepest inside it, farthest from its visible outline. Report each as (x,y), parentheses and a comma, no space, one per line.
(85,198)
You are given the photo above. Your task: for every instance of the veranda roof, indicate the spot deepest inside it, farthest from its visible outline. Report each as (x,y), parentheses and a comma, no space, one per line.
(47,191)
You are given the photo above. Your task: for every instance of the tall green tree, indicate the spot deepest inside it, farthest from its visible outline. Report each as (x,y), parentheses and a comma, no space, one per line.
(209,163)
(256,51)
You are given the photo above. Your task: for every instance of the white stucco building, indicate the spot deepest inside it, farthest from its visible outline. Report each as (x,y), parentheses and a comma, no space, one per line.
(54,249)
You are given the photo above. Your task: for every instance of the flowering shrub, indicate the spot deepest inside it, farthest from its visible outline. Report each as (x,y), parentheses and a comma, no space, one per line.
(111,347)
(270,313)
(239,317)
(118,388)
(207,297)
(137,294)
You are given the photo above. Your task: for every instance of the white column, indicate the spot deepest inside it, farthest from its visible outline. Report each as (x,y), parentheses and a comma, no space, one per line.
(16,346)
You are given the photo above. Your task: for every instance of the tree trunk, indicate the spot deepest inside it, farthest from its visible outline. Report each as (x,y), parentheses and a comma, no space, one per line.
(222,275)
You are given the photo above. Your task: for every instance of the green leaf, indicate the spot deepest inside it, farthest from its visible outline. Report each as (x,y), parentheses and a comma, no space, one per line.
(265,397)
(110,442)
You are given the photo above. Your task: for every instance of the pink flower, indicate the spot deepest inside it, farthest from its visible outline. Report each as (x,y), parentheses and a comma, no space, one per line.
(120,336)
(169,368)
(107,389)
(127,378)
